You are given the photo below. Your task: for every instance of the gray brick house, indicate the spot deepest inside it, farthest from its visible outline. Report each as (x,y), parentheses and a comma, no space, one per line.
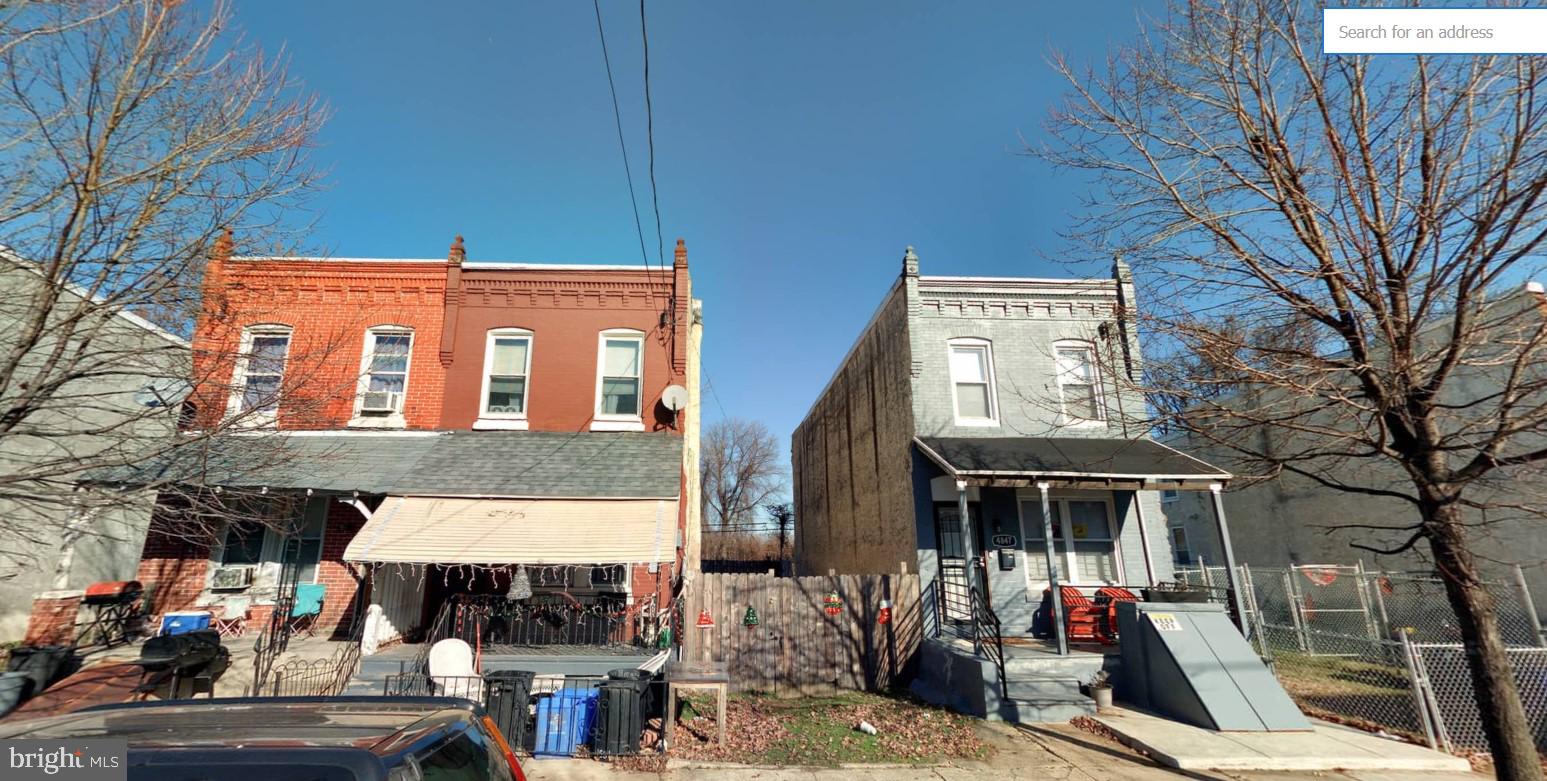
(997,397)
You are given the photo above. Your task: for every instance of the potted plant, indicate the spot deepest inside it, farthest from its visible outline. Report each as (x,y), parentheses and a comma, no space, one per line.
(1175,591)
(1101,689)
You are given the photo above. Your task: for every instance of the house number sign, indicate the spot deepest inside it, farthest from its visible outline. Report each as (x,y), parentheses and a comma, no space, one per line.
(1004,541)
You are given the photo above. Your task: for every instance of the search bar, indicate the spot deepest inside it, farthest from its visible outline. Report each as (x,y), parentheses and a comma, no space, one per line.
(1434,30)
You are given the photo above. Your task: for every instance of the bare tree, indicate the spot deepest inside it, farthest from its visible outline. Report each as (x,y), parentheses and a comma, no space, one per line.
(1324,244)
(741,470)
(782,514)
(134,134)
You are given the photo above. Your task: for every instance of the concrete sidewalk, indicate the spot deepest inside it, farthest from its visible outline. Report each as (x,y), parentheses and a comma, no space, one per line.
(1054,751)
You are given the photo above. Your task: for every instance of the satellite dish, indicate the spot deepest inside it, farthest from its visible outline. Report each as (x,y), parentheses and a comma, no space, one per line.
(162,392)
(674,398)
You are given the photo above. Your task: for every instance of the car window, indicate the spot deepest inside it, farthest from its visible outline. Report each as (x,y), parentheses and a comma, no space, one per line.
(465,757)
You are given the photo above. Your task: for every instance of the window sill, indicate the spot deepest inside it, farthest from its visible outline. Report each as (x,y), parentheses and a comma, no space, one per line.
(500,424)
(618,425)
(977,423)
(1084,423)
(394,420)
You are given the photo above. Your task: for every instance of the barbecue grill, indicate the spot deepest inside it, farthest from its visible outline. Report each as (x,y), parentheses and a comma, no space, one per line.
(115,606)
(174,658)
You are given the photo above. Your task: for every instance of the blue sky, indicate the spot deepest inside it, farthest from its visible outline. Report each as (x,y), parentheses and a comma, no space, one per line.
(800,146)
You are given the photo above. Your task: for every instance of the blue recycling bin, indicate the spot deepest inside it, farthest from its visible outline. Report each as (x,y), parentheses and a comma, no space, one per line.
(564,721)
(184,622)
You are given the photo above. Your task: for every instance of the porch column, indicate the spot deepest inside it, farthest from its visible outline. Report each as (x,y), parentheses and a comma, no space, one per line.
(1231,576)
(1144,540)
(961,510)
(1055,593)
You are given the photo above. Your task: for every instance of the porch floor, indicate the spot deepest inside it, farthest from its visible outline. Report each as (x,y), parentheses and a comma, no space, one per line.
(579,660)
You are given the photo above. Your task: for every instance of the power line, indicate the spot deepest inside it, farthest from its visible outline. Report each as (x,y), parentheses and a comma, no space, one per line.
(617,117)
(709,383)
(660,247)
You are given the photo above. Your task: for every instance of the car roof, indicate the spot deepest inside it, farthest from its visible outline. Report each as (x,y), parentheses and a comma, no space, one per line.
(374,723)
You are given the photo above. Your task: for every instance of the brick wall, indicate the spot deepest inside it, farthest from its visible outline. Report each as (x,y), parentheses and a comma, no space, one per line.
(53,618)
(340,577)
(174,563)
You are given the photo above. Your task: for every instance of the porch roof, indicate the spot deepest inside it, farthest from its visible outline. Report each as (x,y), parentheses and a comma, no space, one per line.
(1089,462)
(457,530)
(439,463)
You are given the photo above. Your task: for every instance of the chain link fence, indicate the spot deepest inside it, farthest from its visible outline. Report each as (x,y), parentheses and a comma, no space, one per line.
(1381,650)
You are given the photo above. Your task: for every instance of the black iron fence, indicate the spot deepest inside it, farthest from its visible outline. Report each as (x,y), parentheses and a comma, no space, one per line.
(492,621)
(619,715)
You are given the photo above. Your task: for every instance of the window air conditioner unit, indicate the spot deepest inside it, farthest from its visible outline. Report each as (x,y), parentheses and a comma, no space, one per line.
(381,401)
(231,578)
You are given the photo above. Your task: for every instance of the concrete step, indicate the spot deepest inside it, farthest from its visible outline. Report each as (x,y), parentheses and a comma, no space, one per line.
(1031,688)
(1046,710)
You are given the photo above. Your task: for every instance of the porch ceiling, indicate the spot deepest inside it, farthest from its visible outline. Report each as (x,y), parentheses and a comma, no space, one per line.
(1079,462)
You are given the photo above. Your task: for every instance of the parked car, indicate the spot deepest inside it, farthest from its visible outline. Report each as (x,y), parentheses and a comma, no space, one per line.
(283,738)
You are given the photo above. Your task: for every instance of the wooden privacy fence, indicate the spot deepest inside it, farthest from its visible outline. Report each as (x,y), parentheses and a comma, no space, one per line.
(805,636)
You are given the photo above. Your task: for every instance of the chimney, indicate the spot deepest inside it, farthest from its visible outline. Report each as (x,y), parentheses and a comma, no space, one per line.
(451,300)
(680,260)
(910,263)
(215,272)
(458,252)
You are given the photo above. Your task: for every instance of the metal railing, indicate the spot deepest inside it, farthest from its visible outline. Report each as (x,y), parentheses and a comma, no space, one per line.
(556,715)
(546,620)
(988,636)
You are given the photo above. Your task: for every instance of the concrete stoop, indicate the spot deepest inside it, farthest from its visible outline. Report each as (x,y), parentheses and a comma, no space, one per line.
(1326,747)
(1041,688)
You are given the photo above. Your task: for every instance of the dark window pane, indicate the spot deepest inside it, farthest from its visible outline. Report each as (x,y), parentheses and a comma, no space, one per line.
(463,758)
(620,396)
(244,543)
(507,395)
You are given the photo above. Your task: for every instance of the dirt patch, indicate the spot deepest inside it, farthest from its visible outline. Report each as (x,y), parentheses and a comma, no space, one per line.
(821,732)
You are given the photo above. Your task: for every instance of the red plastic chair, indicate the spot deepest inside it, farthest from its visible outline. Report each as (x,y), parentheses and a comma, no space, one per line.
(1082,618)
(1108,597)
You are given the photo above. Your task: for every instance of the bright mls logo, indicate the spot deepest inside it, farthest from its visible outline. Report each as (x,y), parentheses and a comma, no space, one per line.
(88,760)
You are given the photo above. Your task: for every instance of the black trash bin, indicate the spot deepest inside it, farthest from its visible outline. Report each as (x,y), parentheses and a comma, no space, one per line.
(44,664)
(647,700)
(621,712)
(508,698)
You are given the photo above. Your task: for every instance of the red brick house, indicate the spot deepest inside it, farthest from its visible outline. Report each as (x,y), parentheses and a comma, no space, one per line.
(405,431)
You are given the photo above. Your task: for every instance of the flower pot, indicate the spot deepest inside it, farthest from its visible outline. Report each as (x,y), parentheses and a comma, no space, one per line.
(1102,695)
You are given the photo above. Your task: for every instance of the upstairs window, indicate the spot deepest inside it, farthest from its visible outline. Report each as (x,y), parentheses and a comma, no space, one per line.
(1078,382)
(384,371)
(507,363)
(619,383)
(972,382)
(260,372)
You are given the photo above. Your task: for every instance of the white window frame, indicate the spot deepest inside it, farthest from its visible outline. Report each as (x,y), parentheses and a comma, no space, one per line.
(396,419)
(505,421)
(1067,565)
(257,418)
(985,347)
(606,422)
(1097,381)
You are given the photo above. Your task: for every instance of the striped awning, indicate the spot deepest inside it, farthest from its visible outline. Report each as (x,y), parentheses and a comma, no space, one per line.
(441,530)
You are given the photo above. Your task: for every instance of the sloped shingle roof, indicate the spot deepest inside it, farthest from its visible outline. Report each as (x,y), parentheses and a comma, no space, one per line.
(460,463)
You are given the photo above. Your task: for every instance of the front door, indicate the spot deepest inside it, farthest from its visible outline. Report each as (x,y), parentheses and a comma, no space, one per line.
(952,547)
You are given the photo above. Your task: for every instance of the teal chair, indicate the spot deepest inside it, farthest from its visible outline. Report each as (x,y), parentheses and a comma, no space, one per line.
(308,606)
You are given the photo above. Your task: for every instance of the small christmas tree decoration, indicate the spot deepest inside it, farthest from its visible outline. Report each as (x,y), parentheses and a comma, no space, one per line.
(520,585)
(750,619)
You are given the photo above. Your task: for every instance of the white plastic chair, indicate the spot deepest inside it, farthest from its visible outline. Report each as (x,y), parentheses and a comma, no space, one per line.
(451,670)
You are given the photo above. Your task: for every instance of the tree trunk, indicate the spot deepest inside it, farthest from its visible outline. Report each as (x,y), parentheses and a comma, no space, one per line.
(1493,682)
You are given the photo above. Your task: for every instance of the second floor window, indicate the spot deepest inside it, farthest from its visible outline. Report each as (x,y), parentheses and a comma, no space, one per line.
(622,354)
(1078,382)
(261,371)
(507,362)
(972,382)
(385,382)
